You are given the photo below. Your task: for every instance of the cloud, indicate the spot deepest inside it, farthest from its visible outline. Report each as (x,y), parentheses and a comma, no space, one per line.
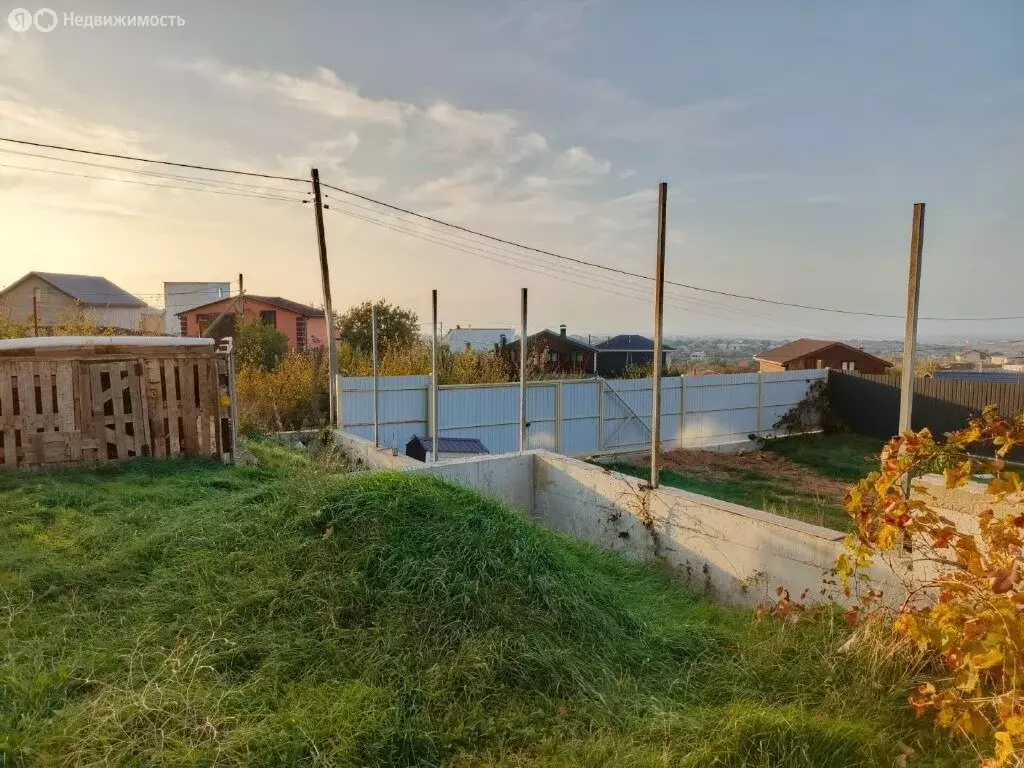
(321,92)
(579,160)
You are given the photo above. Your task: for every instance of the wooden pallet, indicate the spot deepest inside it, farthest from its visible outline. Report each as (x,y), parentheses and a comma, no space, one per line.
(71,412)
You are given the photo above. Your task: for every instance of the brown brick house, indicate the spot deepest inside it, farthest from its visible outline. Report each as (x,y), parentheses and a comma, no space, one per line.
(559,353)
(304,325)
(805,354)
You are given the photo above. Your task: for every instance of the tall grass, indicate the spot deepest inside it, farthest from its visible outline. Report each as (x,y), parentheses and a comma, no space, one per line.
(187,613)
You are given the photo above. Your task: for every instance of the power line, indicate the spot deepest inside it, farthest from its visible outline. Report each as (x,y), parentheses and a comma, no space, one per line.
(150,160)
(231,193)
(616,270)
(478,233)
(157,174)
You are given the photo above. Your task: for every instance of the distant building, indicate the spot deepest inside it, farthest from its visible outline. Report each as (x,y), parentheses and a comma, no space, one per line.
(620,352)
(804,354)
(421,448)
(50,298)
(460,339)
(561,354)
(305,326)
(180,297)
(973,356)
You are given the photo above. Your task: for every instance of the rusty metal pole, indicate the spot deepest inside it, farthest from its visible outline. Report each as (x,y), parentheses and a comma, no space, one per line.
(659,310)
(910,338)
(433,378)
(376,376)
(522,374)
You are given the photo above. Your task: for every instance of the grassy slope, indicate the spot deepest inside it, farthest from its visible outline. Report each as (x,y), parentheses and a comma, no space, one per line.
(191,614)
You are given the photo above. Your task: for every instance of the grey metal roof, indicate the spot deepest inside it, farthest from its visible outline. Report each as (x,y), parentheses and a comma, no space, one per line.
(629,342)
(90,290)
(451,444)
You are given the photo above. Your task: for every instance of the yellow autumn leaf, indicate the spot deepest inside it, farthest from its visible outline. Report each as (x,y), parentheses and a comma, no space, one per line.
(1004,746)
(988,659)
(1014,726)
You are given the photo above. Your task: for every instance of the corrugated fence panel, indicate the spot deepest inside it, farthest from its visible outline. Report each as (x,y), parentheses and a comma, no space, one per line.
(580,417)
(403,408)
(720,408)
(594,415)
(488,413)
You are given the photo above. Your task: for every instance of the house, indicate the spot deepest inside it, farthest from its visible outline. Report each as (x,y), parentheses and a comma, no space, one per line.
(973,356)
(459,339)
(804,354)
(553,353)
(620,352)
(179,297)
(422,448)
(305,326)
(49,298)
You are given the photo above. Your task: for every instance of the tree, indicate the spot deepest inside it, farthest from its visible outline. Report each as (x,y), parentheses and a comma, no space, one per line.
(259,346)
(396,327)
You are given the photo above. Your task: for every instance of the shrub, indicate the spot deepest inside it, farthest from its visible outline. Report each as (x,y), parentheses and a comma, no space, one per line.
(259,346)
(966,607)
(290,396)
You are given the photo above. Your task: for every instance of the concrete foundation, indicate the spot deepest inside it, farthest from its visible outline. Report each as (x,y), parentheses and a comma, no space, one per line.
(733,554)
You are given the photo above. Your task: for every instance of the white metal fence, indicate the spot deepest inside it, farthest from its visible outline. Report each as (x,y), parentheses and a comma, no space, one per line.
(576,416)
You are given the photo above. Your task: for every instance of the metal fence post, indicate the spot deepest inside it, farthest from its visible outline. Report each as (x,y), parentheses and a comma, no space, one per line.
(760,403)
(682,409)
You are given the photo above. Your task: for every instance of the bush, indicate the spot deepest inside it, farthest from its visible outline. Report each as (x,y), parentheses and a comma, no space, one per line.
(259,346)
(966,604)
(292,395)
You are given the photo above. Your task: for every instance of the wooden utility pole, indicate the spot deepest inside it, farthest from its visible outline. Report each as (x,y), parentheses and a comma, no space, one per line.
(910,337)
(659,308)
(35,312)
(522,374)
(332,349)
(433,378)
(241,297)
(376,375)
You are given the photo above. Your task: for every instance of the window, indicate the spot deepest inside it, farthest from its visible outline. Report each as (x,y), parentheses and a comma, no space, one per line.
(184,325)
(821,364)
(552,357)
(577,357)
(300,333)
(849,365)
(268,317)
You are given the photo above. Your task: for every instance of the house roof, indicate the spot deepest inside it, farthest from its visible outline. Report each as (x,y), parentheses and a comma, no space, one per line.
(629,342)
(450,444)
(801,348)
(90,290)
(555,334)
(292,306)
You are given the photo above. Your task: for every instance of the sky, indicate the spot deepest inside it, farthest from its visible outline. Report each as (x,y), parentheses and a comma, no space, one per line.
(795,137)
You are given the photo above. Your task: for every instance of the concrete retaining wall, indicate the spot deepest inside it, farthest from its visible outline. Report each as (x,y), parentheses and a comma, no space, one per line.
(733,554)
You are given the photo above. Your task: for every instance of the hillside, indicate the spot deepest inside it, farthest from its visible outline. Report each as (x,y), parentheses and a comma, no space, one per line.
(187,613)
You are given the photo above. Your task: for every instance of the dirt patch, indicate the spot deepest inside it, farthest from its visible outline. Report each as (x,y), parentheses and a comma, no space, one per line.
(725,466)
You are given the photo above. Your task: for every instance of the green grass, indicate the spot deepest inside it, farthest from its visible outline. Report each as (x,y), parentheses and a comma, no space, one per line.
(192,614)
(845,457)
(842,456)
(751,489)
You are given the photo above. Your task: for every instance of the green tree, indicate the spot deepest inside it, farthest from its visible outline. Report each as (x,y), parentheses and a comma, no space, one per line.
(259,346)
(396,327)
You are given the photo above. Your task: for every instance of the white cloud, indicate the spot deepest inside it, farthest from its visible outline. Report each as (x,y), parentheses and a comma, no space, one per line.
(472,127)
(579,160)
(322,92)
